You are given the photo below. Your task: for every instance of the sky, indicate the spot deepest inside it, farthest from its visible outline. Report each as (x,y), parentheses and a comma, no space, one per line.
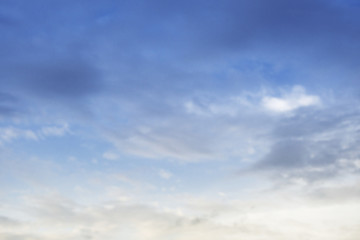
(179,120)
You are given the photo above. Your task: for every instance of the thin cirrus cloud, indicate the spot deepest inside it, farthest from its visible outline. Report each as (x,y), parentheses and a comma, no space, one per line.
(207,127)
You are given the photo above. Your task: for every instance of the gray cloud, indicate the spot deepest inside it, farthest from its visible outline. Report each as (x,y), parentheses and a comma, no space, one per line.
(315,145)
(5,221)
(286,154)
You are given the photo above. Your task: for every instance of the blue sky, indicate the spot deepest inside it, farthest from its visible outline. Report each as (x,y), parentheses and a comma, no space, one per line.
(179,119)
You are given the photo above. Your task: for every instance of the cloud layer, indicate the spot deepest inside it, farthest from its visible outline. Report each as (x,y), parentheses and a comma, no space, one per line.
(179,120)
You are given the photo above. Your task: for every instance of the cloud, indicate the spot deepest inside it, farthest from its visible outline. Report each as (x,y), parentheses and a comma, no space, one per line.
(297,98)
(262,219)
(155,215)
(5,221)
(190,139)
(314,145)
(10,133)
(55,130)
(110,155)
(165,174)
(287,154)
(210,126)
(226,106)
(178,82)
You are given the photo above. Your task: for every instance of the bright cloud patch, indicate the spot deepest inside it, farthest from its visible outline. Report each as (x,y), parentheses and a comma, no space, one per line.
(295,99)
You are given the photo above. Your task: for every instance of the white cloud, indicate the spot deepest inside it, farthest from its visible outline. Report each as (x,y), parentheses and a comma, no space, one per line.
(55,130)
(235,105)
(10,133)
(290,101)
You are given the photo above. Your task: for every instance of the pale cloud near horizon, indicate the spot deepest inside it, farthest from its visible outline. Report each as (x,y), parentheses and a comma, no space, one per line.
(255,219)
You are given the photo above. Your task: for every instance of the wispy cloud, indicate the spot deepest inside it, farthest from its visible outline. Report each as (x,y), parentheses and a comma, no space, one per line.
(10,133)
